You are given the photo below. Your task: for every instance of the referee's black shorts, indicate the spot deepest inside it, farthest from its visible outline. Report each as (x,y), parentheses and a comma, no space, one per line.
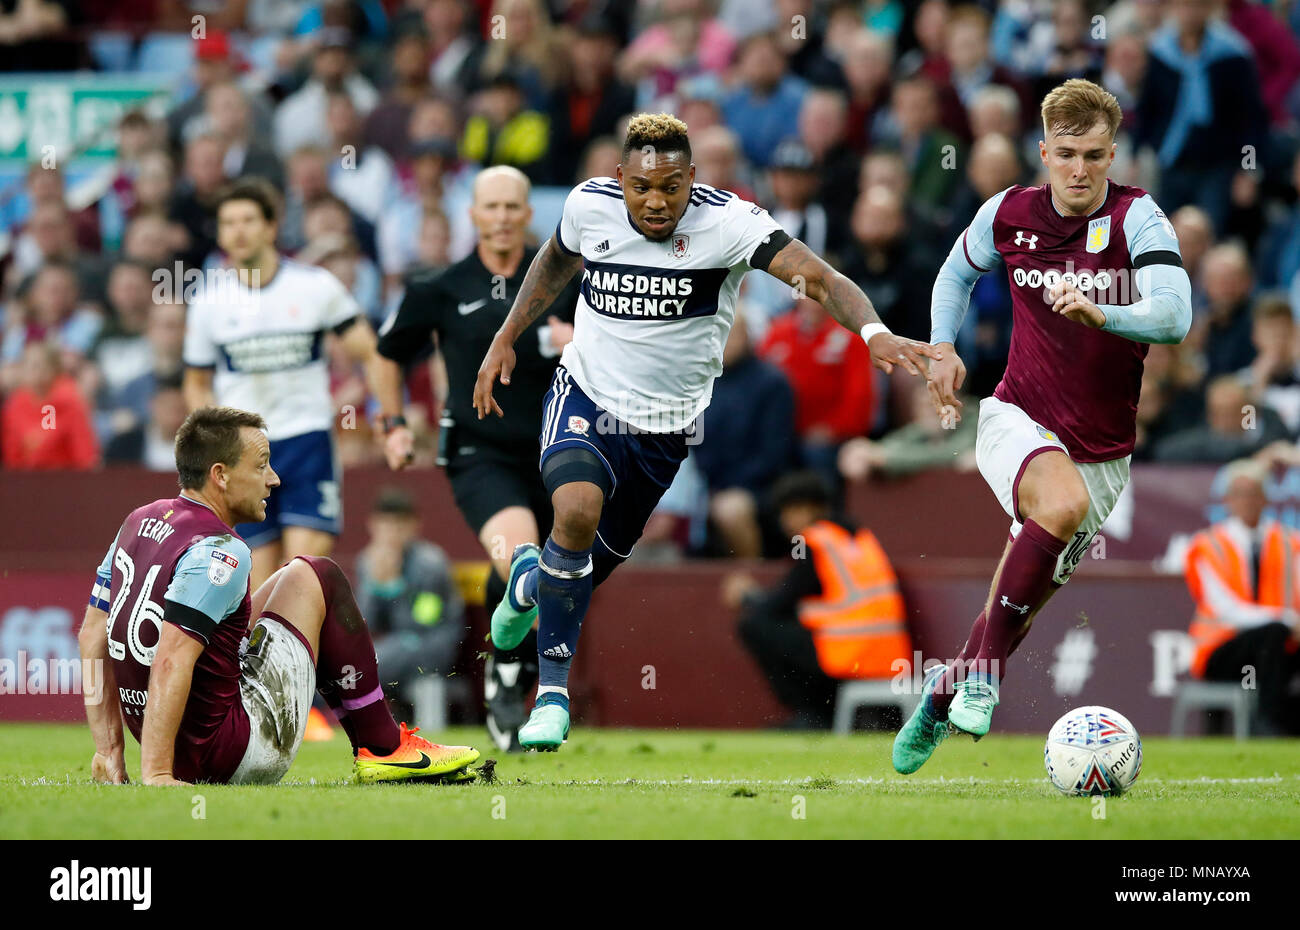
(489,479)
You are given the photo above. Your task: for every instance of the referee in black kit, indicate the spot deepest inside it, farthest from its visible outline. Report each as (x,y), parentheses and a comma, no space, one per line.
(491,463)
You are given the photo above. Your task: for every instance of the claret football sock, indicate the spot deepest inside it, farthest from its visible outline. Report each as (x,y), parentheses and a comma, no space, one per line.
(1025,580)
(346,668)
(563,593)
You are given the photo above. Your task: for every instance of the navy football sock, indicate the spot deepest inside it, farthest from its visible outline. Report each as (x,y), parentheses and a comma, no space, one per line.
(563,593)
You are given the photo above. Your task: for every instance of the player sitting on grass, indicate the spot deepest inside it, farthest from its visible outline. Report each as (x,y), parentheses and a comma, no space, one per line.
(662,259)
(215,681)
(1095,276)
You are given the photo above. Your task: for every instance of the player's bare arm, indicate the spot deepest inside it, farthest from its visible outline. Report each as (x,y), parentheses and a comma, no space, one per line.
(800,267)
(547,276)
(103,708)
(169,690)
(197,388)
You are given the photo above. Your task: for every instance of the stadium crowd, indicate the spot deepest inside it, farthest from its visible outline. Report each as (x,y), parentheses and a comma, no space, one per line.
(871,130)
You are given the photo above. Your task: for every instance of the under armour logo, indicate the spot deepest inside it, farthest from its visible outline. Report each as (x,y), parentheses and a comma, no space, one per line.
(603,247)
(1016,607)
(1021,239)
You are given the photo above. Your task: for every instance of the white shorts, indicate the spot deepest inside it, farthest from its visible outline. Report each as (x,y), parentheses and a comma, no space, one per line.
(277,681)
(1007,439)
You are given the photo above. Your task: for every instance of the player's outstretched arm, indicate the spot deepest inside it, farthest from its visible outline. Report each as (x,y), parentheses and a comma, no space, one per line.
(103,706)
(552,269)
(169,690)
(801,268)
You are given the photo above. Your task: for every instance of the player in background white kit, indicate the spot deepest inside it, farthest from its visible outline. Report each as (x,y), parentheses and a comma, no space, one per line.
(662,260)
(256,341)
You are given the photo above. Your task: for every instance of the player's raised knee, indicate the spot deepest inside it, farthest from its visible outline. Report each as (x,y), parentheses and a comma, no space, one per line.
(577,513)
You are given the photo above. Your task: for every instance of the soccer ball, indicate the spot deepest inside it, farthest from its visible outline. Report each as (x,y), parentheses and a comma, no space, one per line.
(1093,750)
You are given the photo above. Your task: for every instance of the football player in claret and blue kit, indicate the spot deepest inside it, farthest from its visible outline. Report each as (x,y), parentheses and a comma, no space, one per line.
(1095,276)
(661,261)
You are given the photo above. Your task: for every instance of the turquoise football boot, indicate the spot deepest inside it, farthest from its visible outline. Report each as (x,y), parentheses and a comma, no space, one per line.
(510,625)
(973,701)
(548,725)
(921,734)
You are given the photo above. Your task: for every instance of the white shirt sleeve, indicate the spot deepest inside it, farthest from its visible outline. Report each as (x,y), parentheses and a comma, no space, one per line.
(568,232)
(200,350)
(745,226)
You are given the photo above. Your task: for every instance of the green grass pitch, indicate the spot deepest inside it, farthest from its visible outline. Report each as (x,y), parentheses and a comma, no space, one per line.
(670,784)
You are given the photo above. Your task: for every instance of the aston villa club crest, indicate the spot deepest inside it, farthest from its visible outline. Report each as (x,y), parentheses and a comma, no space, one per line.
(221,567)
(1098,234)
(681,246)
(578,425)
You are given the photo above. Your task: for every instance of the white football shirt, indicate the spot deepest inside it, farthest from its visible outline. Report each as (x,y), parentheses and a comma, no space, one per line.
(652,317)
(267,344)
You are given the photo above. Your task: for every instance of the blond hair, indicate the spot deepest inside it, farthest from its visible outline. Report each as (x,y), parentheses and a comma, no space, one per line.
(1073,108)
(662,132)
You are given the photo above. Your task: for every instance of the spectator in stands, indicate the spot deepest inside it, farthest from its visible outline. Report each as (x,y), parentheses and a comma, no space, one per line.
(793,183)
(1125,66)
(832,378)
(747,442)
(1241,573)
(46,183)
(995,110)
(327,221)
(406,592)
(300,118)
(1278,258)
(823,122)
(1273,378)
(122,352)
(889,264)
(1275,51)
(398,231)
(804,49)
(454,50)
(1170,401)
(387,125)
(717,157)
(970,67)
(39,35)
(125,407)
(363,176)
(525,44)
(230,119)
(993,166)
(1199,105)
(213,64)
(685,41)
(837,614)
(151,443)
(1071,52)
(151,239)
(600,160)
(928,441)
(193,205)
(868,58)
(308,180)
(503,131)
(1195,237)
(591,98)
(766,99)
(1233,427)
(931,152)
(1226,327)
(51,309)
(50,238)
(45,420)
(699,102)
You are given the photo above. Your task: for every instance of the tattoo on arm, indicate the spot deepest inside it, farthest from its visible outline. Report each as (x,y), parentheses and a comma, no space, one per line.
(798,266)
(547,276)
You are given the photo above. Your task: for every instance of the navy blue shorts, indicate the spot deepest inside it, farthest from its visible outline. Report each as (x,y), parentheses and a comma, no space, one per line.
(640,465)
(309,491)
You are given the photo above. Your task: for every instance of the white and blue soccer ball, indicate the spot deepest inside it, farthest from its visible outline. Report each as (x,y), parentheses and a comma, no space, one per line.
(1093,751)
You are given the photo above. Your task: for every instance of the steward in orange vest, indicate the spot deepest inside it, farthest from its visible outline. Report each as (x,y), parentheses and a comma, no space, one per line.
(857,621)
(837,613)
(1244,574)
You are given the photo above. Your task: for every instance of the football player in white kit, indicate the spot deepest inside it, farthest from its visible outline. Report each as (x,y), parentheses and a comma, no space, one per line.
(662,259)
(254,340)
